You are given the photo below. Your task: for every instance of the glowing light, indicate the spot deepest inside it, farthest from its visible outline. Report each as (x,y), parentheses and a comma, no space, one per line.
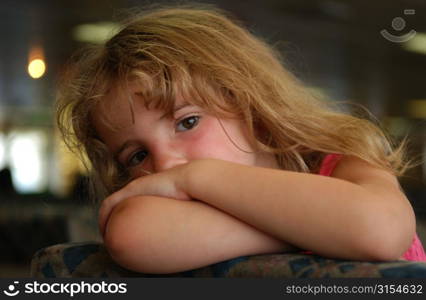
(2,151)
(36,68)
(36,62)
(417,43)
(26,160)
(96,33)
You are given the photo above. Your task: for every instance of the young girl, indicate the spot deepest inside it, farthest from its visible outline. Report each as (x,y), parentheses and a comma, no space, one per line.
(209,150)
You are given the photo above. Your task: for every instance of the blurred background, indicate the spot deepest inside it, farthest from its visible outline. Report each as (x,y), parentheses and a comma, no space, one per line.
(367,52)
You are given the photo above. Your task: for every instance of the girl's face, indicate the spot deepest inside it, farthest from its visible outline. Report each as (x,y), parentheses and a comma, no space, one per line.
(155,142)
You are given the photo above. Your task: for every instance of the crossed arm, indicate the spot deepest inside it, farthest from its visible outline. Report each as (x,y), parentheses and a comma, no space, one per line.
(161,235)
(360,214)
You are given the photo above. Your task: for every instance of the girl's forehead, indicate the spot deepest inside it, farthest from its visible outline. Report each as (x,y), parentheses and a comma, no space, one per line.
(112,111)
(122,104)
(118,106)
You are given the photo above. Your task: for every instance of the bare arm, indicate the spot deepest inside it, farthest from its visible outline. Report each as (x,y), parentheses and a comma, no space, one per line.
(361,214)
(161,235)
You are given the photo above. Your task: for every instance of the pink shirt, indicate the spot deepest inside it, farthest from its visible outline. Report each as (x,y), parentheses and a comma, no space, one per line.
(416,251)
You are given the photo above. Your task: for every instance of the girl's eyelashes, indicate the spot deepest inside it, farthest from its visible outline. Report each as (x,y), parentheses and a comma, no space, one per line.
(184,124)
(187,123)
(137,158)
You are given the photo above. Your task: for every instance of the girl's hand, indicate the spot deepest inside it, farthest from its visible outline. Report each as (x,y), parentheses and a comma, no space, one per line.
(169,184)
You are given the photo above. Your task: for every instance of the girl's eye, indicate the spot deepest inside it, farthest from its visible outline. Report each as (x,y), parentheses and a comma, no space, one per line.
(137,158)
(187,123)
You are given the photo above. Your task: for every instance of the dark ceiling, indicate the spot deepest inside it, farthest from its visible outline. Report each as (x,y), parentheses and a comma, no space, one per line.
(332,44)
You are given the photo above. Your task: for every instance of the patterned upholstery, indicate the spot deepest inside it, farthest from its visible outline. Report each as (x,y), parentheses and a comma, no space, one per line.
(90,259)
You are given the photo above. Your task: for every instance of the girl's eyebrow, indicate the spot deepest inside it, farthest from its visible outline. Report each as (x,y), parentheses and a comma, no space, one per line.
(176,108)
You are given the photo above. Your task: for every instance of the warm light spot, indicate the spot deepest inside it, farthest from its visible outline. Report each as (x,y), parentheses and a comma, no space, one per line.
(36,68)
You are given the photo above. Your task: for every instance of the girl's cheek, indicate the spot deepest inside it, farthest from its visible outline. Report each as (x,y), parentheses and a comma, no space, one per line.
(141,170)
(208,141)
(197,141)
(135,173)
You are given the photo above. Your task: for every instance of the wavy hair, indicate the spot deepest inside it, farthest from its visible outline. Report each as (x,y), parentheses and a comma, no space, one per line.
(213,62)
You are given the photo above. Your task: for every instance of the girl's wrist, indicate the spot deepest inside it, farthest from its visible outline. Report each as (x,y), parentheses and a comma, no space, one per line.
(195,170)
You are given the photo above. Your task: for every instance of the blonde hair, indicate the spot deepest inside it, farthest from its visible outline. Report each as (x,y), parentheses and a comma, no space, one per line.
(212,61)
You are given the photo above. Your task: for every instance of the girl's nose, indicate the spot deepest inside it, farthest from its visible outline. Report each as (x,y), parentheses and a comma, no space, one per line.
(168,159)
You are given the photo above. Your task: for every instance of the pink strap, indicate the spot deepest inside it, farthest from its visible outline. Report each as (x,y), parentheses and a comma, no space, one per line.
(329,163)
(416,251)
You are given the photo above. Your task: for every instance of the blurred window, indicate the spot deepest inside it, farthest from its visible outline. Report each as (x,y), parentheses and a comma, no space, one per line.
(27,161)
(2,151)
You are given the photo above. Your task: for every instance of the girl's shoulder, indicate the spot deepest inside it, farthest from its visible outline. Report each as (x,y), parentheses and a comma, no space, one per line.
(356,170)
